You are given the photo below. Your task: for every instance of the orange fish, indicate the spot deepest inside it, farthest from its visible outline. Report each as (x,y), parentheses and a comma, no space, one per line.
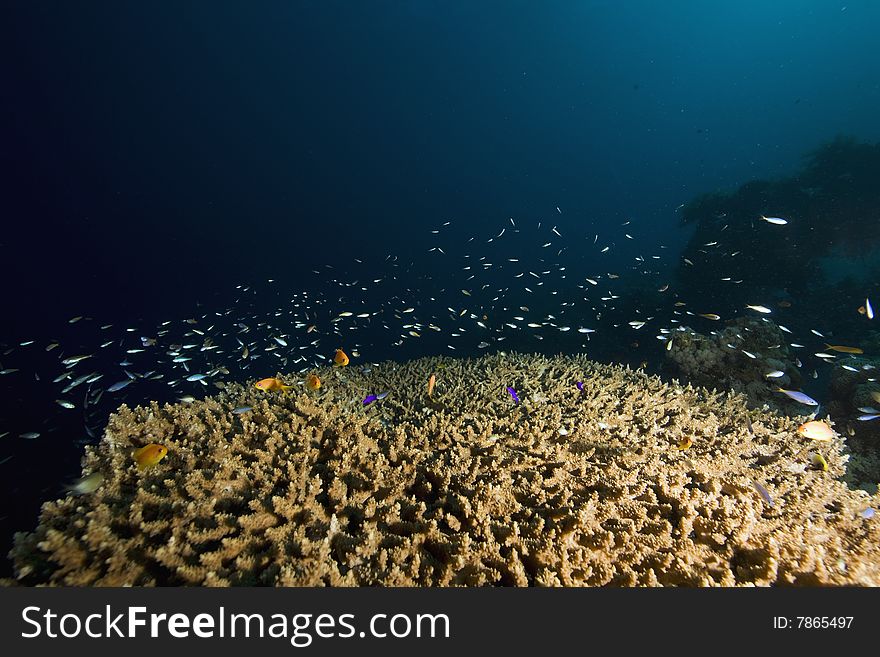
(431,381)
(816,430)
(313,382)
(684,443)
(272,384)
(149,455)
(844,350)
(340,359)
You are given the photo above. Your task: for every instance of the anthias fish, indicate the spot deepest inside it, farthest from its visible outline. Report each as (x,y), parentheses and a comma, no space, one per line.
(149,455)
(340,358)
(816,430)
(843,349)
(271,384)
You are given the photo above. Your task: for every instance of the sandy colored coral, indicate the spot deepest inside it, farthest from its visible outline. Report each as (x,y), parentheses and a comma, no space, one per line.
(467,488)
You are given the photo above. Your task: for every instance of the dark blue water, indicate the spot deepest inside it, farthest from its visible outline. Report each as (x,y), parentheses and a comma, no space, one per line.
(155,157)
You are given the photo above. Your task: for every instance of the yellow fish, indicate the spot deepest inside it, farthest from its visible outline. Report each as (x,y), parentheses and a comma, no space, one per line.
(685,443)
(313,382)
(819,462)
(816,430)
(149,455)
(431,381)
(340,359)
(844,350)
(271,384)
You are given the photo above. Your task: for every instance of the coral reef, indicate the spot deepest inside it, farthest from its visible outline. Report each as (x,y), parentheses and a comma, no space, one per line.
(575,485)
(738,358)
(852,389)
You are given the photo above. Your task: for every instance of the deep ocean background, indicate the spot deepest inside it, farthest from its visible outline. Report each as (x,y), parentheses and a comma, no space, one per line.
(155,155)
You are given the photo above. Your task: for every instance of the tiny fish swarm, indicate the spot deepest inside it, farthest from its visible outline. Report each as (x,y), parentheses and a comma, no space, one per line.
(460,489)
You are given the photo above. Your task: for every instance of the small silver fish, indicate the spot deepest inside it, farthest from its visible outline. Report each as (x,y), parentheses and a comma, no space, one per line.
(118,386)
(242,409)
(73,360)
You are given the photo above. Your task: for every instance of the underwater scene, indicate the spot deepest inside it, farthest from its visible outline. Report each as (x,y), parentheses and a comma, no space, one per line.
(440,294)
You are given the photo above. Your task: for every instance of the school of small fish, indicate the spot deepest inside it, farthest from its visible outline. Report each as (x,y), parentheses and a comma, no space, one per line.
(574,302)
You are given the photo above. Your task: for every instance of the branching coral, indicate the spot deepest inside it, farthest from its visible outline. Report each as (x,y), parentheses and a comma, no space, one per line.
(568,487)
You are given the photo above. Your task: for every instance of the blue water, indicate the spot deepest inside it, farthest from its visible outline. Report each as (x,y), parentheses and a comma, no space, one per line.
(158,158)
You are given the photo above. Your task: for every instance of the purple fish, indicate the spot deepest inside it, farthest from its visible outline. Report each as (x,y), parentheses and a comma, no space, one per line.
(580,385)
(369,399)
(764,493)
(513,394)
(799,397)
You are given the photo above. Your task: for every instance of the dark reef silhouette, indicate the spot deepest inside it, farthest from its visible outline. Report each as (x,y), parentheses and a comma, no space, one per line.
(832,208)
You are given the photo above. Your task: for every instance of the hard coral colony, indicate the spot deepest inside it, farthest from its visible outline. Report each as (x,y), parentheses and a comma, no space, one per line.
(494,470)
(314,490)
